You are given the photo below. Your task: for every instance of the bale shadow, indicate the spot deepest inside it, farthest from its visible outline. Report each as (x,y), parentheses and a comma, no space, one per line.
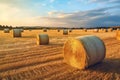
(56,44)
(108,65)
(28,37)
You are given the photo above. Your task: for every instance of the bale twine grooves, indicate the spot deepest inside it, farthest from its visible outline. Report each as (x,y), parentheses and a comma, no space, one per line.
(42,39)
(84,51)
(16,32)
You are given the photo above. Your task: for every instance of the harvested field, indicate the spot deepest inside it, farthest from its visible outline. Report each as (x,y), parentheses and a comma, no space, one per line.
(22,59)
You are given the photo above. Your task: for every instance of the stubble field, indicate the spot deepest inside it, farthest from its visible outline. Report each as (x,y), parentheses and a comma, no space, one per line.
(22,59)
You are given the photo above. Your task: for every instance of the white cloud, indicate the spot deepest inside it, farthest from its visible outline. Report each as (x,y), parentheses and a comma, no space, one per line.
(12,14)
(51,1)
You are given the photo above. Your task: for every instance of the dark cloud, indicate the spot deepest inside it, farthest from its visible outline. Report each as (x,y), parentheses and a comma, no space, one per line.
(106,1)
(90,18)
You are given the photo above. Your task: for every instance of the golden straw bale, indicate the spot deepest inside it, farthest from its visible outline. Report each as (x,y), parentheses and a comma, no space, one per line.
(105,30)
(110,29)
(44,30)
(58,30)
(16,32)
(6,30)
(118,35)
(65,32)
(22,30)
(95,30)
(42,39)
(118,29)
(70,30)
(84,51)
(85,30)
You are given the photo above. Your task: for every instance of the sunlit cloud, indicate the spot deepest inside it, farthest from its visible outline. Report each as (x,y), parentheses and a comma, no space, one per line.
(68,13)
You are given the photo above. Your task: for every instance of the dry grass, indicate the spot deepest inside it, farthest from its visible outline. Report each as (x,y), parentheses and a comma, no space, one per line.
(21,58)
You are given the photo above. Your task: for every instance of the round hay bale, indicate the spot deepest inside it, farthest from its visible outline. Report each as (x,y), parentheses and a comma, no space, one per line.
(95,30)
(44,30)
(110,29)
(22,30)
(105,30)
(85,30)
(42,39)
(101,30)
(118,35)
(16,32)
(84,51)
(6,30)
(58,30)
(65,32)
(70,30)
(30,29)
(118,29)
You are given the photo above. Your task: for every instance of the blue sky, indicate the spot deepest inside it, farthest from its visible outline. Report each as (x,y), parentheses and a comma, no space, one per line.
(68,13)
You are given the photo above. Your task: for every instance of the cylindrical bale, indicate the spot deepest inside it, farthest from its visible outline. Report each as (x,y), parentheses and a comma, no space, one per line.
(30,29)
(105,30)
(16,33)
(22,30)
(118,35)
(44,30)
(65,32)
(84,51)
(95,30)
(42,39)
(70,30)
(110,29)
(58,30)
(101,30)
(85,30)
(6,30)
(118,29)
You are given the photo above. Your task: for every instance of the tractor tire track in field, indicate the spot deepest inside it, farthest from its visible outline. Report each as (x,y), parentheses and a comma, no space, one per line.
(29,55)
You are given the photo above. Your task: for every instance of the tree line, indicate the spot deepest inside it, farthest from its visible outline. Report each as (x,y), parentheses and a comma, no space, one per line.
(42,27)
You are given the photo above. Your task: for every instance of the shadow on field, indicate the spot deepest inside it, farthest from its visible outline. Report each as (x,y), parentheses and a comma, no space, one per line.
(108,65)
(28,37)
(56,44)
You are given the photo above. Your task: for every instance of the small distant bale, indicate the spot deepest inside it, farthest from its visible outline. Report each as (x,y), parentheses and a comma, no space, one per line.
(58,30)
(6,30)
(44,30)
(85,30)
(30,29)
(84,51)
(110,29)
(101,30)
(95,30)
(22,30)
(16,32)
(65,32)
(105,30)
(118,35)
(70,30)
(42,39)
(118,29)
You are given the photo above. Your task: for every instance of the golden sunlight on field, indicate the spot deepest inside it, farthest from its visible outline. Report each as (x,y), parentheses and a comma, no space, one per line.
(22,59)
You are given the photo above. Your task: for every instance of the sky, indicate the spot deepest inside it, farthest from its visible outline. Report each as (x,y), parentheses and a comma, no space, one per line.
(60,13)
